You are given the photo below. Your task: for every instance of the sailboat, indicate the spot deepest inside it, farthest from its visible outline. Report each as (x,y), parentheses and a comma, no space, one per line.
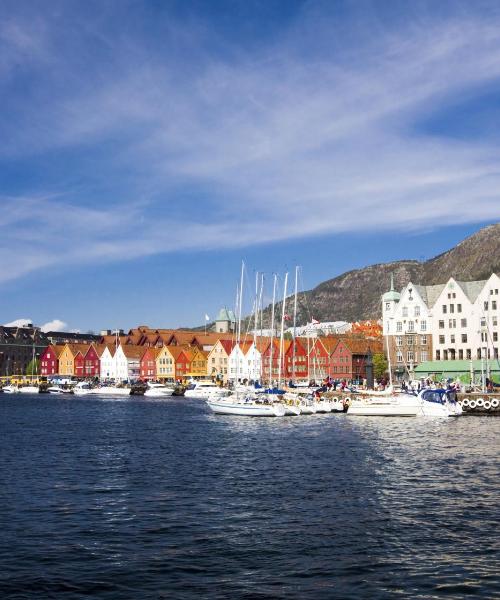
(245,403)
(30,389)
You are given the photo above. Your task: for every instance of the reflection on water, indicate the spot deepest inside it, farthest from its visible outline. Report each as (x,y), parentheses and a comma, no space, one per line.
(140,498)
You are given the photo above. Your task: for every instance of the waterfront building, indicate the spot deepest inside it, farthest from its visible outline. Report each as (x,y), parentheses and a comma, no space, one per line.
(295,363)
(350,356)
(165,363)
(182,359)
(127,361)
(92,362)
(197,364)
(320,351)
(407,326)
(270,361)
(107,362)
(67,358)
(49,360)
(148,365)
(245,361)
(457,320)
(218,359)
(69,337)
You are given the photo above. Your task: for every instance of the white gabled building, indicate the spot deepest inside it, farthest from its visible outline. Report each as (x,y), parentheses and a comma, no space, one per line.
(127,360)
(107,365)
(406,322)
(457,320)
(245,362)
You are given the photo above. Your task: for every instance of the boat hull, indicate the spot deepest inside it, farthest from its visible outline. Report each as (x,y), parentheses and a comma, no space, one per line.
(246,409)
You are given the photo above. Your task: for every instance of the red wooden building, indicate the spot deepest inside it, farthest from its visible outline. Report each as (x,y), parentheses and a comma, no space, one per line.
(49,360)
(148,364)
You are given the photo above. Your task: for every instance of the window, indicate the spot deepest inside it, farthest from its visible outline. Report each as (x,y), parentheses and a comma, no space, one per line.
(468,354)
(495,336)
(423,325)
(494,321)
(387,306)
(493,305)
(399,340)
(445,354)
(452,308)
(459,308)
(424,356)
(438,355)
(399,326)
(409,340)
(464,338)
(452,338)
(486,305)
(423,340)
(411,326)
(463,322)
(409,356)
(460,355)
(441,324)
(479,353)
(441,339)
(445,309)
(417,311)
(405,311)
(452,323)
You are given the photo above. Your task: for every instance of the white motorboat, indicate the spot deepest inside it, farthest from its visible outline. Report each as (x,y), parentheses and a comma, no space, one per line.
(82,388)
(10,389)
(248,406)
(158,390)
(110,390)
(439,403)
(28,389)
(204,389)
(56,389)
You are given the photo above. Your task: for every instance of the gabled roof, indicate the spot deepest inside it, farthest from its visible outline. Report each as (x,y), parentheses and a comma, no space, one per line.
(228,345)
(77,348)
(472,289)
(100,348)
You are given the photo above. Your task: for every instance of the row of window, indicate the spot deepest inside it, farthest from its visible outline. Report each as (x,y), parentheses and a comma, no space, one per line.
(411,340)
(452,354)
(410,326)
(412,357)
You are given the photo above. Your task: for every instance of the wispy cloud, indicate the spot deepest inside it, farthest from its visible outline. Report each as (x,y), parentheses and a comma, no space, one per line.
(164,151)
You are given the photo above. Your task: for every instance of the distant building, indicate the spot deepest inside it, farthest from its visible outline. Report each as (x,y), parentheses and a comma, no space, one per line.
(225,321)
(17,345)
(68,337)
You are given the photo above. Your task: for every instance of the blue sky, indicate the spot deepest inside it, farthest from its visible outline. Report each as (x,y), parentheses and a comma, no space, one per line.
(148,147)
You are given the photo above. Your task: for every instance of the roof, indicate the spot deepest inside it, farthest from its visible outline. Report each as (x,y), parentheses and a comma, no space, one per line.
(228,345)
(100,348)
(226,315)
(133,351)
(363,345)
(454,366)
(472,289)
(76,348)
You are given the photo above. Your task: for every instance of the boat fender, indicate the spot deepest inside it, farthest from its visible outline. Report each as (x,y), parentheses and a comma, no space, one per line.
(335,399)
(487,405)
(479,402)
(495,403)
(347,400)
(472,404)
(465,402)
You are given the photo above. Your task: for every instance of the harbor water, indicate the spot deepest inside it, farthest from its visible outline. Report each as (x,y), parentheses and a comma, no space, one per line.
(135,498)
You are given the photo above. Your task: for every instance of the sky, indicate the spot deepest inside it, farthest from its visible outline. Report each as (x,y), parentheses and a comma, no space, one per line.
(148,147)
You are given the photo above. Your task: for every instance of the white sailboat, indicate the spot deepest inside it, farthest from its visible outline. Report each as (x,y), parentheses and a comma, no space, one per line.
(245,404)
(158,390)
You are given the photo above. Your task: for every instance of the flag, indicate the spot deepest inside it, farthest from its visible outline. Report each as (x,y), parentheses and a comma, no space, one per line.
(207,318)
(315,321)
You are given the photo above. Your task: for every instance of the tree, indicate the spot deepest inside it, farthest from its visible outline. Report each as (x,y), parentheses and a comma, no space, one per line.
(33,367)
(379,366)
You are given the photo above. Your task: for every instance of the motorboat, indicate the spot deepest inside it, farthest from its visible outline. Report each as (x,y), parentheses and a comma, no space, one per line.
(204,389)
(56,389)
(110,390)
(82,388)
(440,403)
(158,390)
(10,389)
(28,389)
(246,406)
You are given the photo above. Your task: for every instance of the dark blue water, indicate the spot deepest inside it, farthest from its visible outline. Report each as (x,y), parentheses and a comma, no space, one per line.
(161,499)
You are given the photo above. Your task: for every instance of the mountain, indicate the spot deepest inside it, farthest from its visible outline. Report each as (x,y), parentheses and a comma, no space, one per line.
(355,295)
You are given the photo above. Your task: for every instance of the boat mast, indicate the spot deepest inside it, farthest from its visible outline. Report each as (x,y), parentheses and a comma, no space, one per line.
(272,334)
(261,371)
(255,323)
(294,322)
(238,337)
(282,329)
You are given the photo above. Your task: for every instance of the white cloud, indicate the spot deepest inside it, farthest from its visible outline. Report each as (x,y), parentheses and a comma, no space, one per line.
(55,325)
(283,143)
(19,323)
